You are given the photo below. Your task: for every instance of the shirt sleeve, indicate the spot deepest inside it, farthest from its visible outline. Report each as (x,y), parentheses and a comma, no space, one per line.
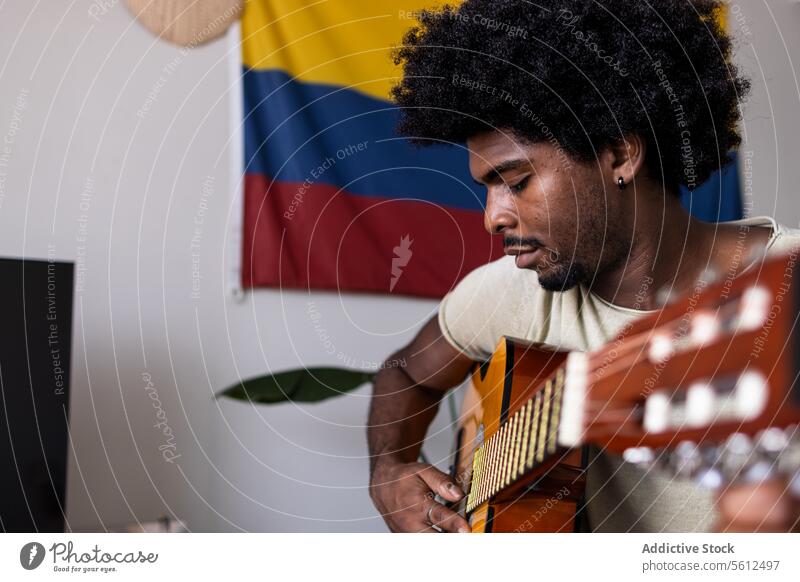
(473,316)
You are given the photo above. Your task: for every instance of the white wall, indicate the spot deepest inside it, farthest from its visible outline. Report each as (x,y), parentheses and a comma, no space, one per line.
(87,140)
(768,51)
(70,90)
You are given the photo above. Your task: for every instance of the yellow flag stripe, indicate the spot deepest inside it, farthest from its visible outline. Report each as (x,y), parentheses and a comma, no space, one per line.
(324,41)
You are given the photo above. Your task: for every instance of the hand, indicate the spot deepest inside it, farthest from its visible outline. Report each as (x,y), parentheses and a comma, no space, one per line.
(757,507)
(404,492)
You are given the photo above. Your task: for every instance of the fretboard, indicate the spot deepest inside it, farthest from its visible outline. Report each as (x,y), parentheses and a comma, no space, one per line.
(528,439)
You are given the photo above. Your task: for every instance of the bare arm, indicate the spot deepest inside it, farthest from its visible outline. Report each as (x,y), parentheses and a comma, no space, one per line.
(406,396)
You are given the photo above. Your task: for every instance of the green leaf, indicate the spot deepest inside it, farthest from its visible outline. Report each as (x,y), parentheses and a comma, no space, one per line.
(300,385)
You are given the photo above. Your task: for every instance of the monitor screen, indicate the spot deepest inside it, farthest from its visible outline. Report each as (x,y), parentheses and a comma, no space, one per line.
(35,334)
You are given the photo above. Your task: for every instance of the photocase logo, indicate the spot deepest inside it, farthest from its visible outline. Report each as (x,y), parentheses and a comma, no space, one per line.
(31,555)
(402,254)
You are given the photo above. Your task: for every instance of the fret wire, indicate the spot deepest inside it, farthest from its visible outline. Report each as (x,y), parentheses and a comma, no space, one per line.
(476,476)
(555,416)
(512,439)
(490,467)
(517,443)
(488,471)
(498,439)
(476,462)
(495,448)
(499,479)
(511,445)
(540,445)
(482,468)
(537,406)
(473,480)
(497,451)
(490,477)
(479,477)
(525,430)
(504,456)
(506,440)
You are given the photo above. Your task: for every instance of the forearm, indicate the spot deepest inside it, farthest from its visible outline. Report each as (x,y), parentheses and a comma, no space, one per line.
(399,416)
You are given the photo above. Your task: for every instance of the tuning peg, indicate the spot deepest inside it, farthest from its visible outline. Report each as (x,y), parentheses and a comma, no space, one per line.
(705,328)
(772,441)
(794,484)
(640,456)
(662,348)
(760,470)
(735,455)
(754,308)
(709,478)
(700,404)
(657,410)
(789,457)
(750,394)
(686,459)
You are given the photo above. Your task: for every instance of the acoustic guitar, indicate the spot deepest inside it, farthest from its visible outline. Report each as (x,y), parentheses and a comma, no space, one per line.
(705,388)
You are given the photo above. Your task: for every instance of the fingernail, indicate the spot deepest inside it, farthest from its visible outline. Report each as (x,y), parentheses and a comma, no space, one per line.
(463,530)
(454,490)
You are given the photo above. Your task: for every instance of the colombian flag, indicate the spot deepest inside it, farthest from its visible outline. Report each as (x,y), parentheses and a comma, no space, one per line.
(334,199)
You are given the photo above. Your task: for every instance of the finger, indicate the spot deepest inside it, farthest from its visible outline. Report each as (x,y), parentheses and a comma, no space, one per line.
(446,519)
(440,483)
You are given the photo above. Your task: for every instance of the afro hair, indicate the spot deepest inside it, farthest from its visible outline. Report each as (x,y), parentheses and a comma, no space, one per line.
(579,73)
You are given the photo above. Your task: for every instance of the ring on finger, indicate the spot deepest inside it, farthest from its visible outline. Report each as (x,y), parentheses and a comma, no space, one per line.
(428,515)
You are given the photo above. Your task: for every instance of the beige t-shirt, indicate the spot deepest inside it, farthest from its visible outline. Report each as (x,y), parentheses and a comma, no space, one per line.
(499,299)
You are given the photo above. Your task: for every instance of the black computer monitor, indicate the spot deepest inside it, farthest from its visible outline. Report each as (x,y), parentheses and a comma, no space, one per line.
(35,339)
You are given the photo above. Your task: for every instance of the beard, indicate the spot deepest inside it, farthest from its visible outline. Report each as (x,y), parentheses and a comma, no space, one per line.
(559,277)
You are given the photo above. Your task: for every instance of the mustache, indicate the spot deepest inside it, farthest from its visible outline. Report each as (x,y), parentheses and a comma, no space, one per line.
(513,241)
(532,242)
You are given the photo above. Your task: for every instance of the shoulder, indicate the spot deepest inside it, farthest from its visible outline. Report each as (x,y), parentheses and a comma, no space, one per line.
(493,300)
(497,282)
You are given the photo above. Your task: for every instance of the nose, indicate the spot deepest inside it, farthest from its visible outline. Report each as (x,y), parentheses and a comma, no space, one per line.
(499,215)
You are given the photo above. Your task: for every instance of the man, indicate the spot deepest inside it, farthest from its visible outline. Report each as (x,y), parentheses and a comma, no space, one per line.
(582,125)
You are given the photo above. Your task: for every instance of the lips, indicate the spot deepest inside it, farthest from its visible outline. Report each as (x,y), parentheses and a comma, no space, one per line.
(525,258)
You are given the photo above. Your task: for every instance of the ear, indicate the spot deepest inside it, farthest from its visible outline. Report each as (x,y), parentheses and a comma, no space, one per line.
(625,158)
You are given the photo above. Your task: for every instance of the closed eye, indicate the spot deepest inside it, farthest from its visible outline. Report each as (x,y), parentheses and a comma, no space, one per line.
(519,186)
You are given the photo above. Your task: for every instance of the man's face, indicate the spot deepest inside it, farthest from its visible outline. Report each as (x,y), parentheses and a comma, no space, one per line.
(558,216)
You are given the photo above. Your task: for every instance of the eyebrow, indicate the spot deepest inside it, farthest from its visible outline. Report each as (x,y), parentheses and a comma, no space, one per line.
(495,173)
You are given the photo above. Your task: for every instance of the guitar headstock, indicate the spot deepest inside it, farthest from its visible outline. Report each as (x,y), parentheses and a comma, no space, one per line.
(717,367)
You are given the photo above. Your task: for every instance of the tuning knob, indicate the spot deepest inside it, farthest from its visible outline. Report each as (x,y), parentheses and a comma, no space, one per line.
(735,455)
(794,485)
(685,460)
(657,410)
(662,348)
(640,456)
(789,457)
(750,394)
(700,404)
(709,478)
(754,308)
(705,328)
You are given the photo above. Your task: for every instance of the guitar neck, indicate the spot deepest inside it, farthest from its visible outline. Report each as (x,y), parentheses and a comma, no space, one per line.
(529,439)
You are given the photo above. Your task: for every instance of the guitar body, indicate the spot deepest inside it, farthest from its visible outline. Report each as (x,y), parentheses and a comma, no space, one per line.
(499,387)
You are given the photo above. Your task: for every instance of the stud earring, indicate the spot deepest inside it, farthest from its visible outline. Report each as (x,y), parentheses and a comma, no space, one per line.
(621,183)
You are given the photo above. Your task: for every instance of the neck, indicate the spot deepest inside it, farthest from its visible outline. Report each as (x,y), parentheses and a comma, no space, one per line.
(668,249)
